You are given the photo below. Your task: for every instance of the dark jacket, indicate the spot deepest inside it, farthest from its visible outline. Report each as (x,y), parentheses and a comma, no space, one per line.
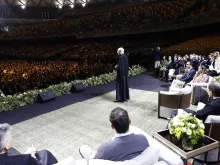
(211,108)
(188,75)
(157,55)
(25,159)
(43,157)
(123,148)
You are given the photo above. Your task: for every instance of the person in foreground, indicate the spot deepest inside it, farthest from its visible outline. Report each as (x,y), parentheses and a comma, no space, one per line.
(122,89)
(30,157)
(211,108)
(125,145)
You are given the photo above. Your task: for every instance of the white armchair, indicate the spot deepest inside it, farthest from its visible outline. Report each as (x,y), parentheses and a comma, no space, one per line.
(155,154)
(212,126)
(203,94)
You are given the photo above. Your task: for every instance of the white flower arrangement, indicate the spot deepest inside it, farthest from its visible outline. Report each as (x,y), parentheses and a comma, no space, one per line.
(186,125)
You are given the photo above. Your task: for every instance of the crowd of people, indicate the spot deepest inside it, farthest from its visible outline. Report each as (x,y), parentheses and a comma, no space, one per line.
(170,67)
(102,51)
(189,71)
(32,51)
(97,51)
(20,75)
(34,66)
(117,20)
(199,44)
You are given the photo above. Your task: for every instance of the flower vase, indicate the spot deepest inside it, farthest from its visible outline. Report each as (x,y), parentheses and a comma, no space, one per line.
(187,145)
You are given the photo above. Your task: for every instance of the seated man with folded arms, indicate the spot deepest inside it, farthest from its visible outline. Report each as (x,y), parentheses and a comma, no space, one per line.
(125,145)
(189,73)
(30,157)
(211,108)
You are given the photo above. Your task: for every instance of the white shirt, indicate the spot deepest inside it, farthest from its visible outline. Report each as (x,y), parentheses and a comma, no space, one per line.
(121,134)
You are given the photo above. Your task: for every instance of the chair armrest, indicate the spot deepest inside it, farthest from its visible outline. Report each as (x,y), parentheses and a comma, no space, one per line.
(160,163)
(200,84)
(166,155)
(213,119)
(169,93)
(177,90)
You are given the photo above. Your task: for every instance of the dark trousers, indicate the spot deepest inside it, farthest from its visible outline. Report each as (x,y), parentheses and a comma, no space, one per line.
(45,157)
(213,73)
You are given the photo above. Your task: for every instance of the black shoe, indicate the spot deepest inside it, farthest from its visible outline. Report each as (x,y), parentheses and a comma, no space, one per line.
(118,101)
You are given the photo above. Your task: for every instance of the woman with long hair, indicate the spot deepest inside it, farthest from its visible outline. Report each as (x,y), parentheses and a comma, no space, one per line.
(201,75)
(199,94)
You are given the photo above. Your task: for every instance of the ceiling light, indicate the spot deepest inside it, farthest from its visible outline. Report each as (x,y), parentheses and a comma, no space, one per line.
(23,7)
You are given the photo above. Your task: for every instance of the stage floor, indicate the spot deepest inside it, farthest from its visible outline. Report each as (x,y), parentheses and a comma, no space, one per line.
(70,121)
(63,131)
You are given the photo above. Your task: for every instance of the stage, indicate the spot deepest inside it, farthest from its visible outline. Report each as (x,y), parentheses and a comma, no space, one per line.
(68,122)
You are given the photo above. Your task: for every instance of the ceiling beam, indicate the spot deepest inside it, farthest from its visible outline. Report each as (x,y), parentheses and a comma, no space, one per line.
(13,3)
(27,2)
(21,2)
(39,3)
(8,2)
(64,2)
(34,2)
(84,1)
(46,2)
(59,2)
(73,3)
(51,4)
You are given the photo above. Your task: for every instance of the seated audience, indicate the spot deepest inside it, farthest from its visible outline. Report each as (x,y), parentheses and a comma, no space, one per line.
(211,108)
(30,157)
(207,62)
(125,145)
(167,69)
(163,65)
(195,61)
(201,75)
(199,94)
(214,68)
(189,73)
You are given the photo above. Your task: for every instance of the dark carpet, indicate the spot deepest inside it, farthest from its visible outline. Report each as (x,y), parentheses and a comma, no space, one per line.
(145,81)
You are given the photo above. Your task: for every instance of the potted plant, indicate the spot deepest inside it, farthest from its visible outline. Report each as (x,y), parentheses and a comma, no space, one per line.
(187,128)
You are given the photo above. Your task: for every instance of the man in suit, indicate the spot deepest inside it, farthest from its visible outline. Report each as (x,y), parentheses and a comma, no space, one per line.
(189,73)
(125,145)
(122,89)
(211,108)
(30,157)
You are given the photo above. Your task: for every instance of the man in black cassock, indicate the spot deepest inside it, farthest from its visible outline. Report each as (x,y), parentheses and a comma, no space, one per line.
(122,89)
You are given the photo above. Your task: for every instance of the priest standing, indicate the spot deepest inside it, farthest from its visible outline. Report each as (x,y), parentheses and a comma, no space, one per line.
(122,89)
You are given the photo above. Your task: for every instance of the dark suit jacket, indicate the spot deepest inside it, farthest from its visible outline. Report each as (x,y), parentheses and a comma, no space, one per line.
(188,75)
(123,148)
(43,157)
(211,108)
(24,159)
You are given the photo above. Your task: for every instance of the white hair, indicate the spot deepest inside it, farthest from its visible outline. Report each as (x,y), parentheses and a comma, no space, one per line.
(5,130)
(121,50)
